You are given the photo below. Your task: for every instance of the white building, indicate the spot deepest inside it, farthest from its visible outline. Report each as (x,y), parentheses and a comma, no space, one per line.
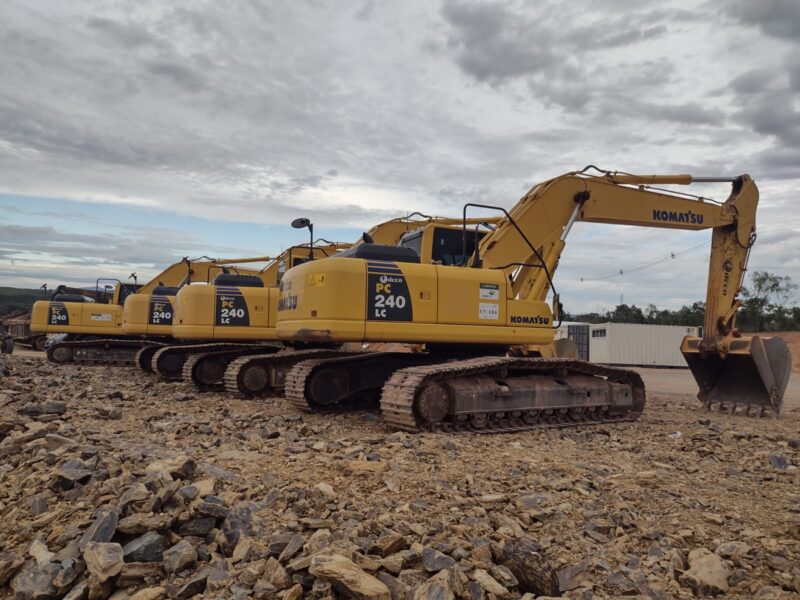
(638,345)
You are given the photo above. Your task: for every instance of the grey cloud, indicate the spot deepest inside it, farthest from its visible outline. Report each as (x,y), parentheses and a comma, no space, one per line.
(776,18)
(83,247)
(457,197)
(31,125)
(494,43)
(256,111)
(776,115)
(778,163)
(752,82)
(497,44)
(128,34)
(626,38)
(489,43)
(766,102)
(178,73)
(365,12)
(692,113)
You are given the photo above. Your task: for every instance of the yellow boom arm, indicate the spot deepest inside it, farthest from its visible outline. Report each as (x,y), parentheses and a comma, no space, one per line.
(528,243)
(535,232)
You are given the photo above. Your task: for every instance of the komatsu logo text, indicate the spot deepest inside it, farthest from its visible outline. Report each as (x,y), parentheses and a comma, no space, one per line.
(526,320)
(672,216)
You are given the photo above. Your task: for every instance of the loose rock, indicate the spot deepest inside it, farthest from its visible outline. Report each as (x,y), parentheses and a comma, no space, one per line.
(103,560)
(348,579)
(707,574)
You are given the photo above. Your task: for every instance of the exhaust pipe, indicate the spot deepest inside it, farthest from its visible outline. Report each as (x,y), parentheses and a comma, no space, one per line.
(753,373)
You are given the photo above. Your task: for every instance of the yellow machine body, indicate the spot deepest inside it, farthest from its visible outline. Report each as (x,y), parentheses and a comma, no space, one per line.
(237,313)
(499,296)
(91,318)
(351,299)
(152,314)
(211,312)
(208,312)
(148,314)
(108,317)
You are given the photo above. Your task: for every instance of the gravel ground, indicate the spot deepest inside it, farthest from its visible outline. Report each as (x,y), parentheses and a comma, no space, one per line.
(113,484)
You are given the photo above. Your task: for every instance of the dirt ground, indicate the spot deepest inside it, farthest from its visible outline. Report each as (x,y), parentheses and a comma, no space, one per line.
(683,503)
(680,382)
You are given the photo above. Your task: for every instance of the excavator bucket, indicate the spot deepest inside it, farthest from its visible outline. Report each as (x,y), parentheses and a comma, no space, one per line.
(753,374)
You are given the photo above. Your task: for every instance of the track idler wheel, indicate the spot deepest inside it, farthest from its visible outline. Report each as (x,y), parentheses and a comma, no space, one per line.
(210,371)
(329,386)
(144,358)
(61,354)
(254,379)
(431,404)
(170,366)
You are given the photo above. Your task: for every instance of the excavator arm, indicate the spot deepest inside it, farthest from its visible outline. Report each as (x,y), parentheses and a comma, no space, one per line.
(527,245)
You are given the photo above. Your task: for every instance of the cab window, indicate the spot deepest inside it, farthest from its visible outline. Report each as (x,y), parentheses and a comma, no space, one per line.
(413,240)
(281,270)
(448,245)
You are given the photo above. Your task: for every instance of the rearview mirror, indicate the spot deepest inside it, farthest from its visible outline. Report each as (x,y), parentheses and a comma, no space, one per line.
(301,223)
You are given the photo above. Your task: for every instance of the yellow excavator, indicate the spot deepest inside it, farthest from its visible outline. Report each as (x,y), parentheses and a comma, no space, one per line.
(233,315)
(92,322)
(486,329)
(253,372)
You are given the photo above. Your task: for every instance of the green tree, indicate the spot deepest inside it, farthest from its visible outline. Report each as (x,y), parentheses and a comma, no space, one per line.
(765,301)
(626,314)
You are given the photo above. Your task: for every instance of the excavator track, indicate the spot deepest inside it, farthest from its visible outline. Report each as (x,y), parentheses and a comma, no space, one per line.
(207,369)
(144,357)
(168,362)
(102,351)
(407,398)
(343,383)
(266,374)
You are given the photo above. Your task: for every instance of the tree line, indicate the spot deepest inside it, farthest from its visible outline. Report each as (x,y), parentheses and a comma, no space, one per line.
(768,304)
(13,300)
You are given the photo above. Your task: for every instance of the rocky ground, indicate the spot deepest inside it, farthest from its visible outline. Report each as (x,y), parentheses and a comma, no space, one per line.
(113,484)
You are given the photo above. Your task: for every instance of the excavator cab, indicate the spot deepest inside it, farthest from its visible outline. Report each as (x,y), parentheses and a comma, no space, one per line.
(444,244)
(748,372)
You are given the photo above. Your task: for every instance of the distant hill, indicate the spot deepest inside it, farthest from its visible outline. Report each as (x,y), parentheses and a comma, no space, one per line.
(16,299)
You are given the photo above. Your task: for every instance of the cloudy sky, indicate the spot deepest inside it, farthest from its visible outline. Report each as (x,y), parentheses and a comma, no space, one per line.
(135,132)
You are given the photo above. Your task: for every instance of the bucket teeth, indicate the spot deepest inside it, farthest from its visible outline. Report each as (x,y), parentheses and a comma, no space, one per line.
(753,373)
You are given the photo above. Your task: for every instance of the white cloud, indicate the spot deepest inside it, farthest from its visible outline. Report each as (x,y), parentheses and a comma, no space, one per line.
(251,111)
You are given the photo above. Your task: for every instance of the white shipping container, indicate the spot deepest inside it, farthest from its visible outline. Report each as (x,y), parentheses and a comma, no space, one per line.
(563,331)
(638,345)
